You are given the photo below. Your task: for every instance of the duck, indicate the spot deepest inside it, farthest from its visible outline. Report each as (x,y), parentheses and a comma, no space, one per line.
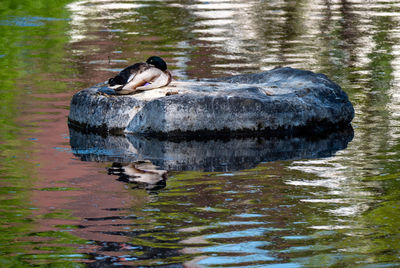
(143,173)
(141,76)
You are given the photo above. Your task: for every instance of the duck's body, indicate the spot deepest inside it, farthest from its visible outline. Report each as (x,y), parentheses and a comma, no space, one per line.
(141,76)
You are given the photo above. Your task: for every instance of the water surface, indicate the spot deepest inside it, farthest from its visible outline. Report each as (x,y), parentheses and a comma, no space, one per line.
(290,202)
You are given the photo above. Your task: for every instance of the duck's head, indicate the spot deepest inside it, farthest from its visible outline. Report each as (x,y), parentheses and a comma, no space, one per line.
(157,62)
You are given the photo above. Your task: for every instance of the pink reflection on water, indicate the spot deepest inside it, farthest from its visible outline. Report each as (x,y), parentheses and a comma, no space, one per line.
(68,192)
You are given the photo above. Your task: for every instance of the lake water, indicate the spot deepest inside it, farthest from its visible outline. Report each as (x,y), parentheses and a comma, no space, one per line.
(265,202)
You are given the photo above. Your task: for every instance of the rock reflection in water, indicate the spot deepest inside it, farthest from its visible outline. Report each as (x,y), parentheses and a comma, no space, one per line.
(205,155)
(142,173)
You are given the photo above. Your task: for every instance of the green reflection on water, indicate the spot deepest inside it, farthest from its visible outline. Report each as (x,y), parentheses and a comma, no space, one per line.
(32,42)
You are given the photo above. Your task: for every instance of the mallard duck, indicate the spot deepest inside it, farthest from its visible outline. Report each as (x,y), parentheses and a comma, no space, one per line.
(141,76)
(143,173)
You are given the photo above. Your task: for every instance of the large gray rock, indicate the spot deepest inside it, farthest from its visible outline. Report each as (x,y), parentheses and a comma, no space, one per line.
(280,100)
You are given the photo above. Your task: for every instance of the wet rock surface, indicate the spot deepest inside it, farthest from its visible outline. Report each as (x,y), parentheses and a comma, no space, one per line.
(282,100)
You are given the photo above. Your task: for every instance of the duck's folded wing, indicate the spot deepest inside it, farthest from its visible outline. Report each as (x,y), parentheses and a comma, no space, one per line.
(162,80)
(155,77)
(126,75)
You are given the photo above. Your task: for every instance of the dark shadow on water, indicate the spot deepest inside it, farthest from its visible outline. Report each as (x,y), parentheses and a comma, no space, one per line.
(220,155)
(150,253)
